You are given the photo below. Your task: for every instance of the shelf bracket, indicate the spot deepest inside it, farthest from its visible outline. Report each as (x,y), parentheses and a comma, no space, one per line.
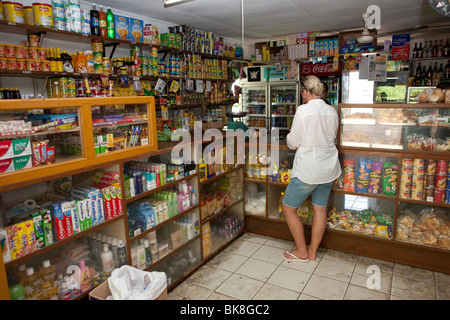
(114,45)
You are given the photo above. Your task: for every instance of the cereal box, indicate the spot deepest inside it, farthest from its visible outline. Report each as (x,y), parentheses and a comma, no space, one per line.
(121,24)
(135,30)
(155,35)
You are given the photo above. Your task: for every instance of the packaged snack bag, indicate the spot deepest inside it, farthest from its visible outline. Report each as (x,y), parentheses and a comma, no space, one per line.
(389,180)
(375,177)
(362,175)
(349,175)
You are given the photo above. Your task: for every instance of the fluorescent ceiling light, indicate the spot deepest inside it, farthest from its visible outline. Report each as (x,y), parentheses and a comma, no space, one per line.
(169,3)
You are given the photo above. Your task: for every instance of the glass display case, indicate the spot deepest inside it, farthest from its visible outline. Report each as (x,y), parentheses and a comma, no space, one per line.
(422,128)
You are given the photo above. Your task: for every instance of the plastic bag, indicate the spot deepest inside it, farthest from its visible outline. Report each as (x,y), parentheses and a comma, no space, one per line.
(129,283)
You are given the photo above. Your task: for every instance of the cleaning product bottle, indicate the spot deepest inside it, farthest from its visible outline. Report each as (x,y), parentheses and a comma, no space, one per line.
(85,278)
(102,22)
(148,254)
(107,259)
(16,290)
(110,23)
(49,285)
(32,285)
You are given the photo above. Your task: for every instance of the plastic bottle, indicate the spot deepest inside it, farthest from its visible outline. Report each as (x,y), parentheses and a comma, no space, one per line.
(148,254)
(121,252)
(21,272)
(49,285)
(102,22)
(85,278)
(114,252)
(16,290)
(141,259)
(110,23)
(95,21)
(107,259)
(32,285)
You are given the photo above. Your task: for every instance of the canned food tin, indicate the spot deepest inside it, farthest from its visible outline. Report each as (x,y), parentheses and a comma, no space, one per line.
(1,12)
(33,53)
(3,64)
(428,195)
(430,166)
(441,181)
(439,195)
(60,25)
(416,195)
(19,53)
(2,50)
(12,64)
(29,15)
(10,51)
(106,65)
(43,14)
(21,65)
(442,167)
(429,180)
(420,163)
(13,12)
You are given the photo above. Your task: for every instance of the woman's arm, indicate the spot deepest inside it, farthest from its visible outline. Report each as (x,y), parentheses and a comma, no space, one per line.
(294,137)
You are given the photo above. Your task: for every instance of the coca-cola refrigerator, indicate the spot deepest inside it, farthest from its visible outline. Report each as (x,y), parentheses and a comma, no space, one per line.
(327,74)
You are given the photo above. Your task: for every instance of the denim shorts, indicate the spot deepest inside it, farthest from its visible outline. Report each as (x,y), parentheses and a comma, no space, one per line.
(297,192)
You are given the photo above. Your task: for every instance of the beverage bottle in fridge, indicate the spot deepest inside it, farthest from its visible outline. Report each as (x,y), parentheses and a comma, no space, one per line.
(102,22)
(32,285)
(110,23)
(95,21)
(16,290)
(49,285)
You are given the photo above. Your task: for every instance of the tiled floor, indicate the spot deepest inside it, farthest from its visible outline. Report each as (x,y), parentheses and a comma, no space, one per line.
(251,268)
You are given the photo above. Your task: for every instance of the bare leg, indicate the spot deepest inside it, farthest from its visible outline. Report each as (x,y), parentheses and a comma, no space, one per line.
(317,230)
(296,227)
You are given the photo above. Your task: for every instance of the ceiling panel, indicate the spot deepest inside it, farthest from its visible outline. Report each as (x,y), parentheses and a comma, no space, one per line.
(271,18)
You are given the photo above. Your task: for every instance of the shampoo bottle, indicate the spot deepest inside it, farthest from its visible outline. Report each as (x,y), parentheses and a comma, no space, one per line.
(107,259)
(85,278)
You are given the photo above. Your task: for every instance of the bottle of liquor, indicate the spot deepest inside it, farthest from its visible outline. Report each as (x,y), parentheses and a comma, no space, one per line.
(440,49)
(418,77)
(429,75)
(425,50)
(415,51)
(420,51)
(447,70)
(436,77)
(435,49)
(446,50)
(441,72)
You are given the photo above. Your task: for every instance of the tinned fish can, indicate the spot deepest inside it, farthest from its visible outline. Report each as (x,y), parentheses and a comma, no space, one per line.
(43,14)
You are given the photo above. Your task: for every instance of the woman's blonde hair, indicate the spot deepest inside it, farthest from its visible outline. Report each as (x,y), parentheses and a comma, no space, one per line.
(312,84)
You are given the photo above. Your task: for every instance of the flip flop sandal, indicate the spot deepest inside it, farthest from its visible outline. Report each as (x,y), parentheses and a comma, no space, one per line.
(294,257)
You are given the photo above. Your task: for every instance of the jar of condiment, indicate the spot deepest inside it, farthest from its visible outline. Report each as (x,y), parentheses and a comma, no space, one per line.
(12,64)
(3,63)
(2,50)
(97,46)
(33,40)
(123,70)
(33,53)
(42,54)
(45,65)
(21,65)
(10,51)
(29,64)
(37,65)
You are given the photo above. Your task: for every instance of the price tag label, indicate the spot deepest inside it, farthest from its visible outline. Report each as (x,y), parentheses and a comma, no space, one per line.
(137,232)
(26,72)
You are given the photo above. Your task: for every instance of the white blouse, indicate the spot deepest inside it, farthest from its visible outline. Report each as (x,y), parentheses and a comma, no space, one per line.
(313,134)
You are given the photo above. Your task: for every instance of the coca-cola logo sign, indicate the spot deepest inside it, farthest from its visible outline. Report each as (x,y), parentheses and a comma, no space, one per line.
(319,69)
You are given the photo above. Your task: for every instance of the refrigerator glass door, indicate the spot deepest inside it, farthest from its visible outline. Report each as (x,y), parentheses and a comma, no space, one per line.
(282,106)
(254,103)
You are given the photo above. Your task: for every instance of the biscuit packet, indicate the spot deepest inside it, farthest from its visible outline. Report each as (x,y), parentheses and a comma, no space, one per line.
(375,177)
(389,179)
(362,175)
(349,175)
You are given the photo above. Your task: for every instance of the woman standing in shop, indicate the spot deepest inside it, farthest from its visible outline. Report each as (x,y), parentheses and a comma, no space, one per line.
(316,167)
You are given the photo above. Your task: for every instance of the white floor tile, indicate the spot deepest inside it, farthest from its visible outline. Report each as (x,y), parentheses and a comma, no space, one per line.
(341,271)
(325,288)
(240,287)
(289,278)
(272,292)
(257,269)
(269,254)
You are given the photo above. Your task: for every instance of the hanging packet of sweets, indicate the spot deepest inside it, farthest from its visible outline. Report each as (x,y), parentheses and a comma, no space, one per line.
(375,177)
(349,175)
(362,175)
(389,179)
